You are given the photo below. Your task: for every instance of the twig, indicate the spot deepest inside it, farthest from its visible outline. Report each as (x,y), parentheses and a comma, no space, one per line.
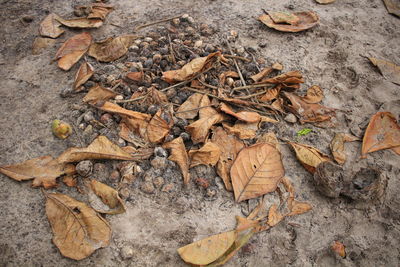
(115,25)
(208,85)
(251,86)
(238,57)
(254,59)
(171,50)
(115,86)
(237,66)
(155,22)
(189,110)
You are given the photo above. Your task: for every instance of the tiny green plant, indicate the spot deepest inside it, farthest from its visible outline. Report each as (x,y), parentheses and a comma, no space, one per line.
(303,132)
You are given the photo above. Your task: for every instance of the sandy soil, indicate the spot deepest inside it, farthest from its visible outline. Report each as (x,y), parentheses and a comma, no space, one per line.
(331,55)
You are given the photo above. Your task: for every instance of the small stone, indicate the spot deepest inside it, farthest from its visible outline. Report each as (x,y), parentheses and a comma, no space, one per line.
(177,100)
(147,187)
(230,81)
(66,92)
(211,193)
(84,168)
(95,77)
(148,39)
(168,188)
(181,123)
(185,136)
(28,18)
(106,118)
(190,30)
(109,68)
(133,48)
(290,118)
(159,163)
(169,138)
(240,50)
(158,182)
(124,193)
(89,84)
(88,117)
(160,152)
(157,58)
(88,131)
(262,44)
(185,17)
(176,131)
(119,97)
(152,109)
(198,44)
(171,92)
(190,20)
(137,42)
(164,50)
(127,252)
(176,22)
(115,175)
(181,63)
(110,79)
(202,182)
(144,44)
(82,126)
(100,172)
(148,63)
(209,48)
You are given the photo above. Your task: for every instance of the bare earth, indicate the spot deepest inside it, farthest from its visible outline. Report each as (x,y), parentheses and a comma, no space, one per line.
(331,55)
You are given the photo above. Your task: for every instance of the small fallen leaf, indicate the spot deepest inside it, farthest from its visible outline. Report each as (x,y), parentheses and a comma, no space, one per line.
(112,48)
(132,135)
(98,94)
(199,129)
(157,129)
(306,21)
(339,248)
(72,50)
(115,108)
(108,196)
(208,154)
(259,76)
(325,2)
(40,44)
(314,95)
(383,132)
(180,156)
(297,208)
(78,230)
(70,180)
(156,97)
(83,74)
(205,110)
(271,93)
(189,108)
(256,171)
(388,69)
(246,116)
(207,250)
(337,146)
(81,23)
(392,7)
(284,17)
(222,77)
(270,138)
(136,76)
(61,129)
(49,27)
(290,79)
(99,11)
(303,132)
(274,216)
(242,130)
(309,156)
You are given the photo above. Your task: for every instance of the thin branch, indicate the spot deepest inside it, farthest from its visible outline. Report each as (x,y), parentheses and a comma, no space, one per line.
(237,57)
(251,86)
(236,64)
(156,22)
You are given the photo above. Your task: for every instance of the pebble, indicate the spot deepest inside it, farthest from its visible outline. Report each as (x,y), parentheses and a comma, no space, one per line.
(148,39)
(157,58)
(110,78)
(137,42)
(115,175)
(185,17)
(88,117)
(152,109)
(176,22)
(159,163)
(290,118)
(190,30)
(262,44)
(211,193)
(144,44)
(160,152)
(119,97)
(147,188)
(121,142)
(82,126)
(158,182)
(89,84)
(127,252)
(164,50)
(177,100)
(28,18)
(124,193)
(230,81)
(209,48)
(100,171)
(176,131)
(84,168)
(190,20)
(109,68)
(198,44)
(169,138)
(148,63)
(168,188)
(133,48)
(185,136)
(95,77)
(171,92)
(66,92)
(106,118)
(240,50)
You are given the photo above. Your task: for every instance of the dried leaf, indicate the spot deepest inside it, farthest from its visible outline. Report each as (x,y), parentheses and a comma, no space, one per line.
(40,44)
(70,180)
(208,154)
(325,2)
(256,171)
(157,97)
(72,50)
(100,148)
(133,133)
(98,94)
(222,77)
(207,250)
(205,109)
(80,23)
(284,17)
(135,76)
(290,79)
(242,130)
(274,216)
(392,7)
(192,68)
(339,249)
(78,230)
(157,129)
(337,146)
(388,69)
(383,132)
(112,48)
(200,128)
(314,95)
(108,196)
(246,116)
(271,93)
(259,76)
(309,156)
(179,155)
(189,108)
(49,27)
(115,108)
(100,11)
(230,146)
(270,138)
(306,21)
(83,74)
(297,208)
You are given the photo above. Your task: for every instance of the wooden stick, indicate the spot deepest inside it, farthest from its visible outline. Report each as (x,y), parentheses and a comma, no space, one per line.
(155,22)
(237,66)
(251,86)
(171,50)
(237,57)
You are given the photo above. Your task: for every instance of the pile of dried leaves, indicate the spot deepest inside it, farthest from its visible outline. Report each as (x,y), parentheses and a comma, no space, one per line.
(225,107)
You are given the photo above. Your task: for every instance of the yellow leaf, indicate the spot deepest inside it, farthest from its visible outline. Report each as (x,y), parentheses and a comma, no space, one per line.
(208,154)
(309,156)
(179,155)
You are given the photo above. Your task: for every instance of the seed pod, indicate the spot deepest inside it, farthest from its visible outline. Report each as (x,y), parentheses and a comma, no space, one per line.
(61,129)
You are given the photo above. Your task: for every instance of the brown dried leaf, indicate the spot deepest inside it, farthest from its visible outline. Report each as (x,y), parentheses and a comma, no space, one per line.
(230,146)
(100,11)
(392,7)
(242,130)
(108,196)
(132,135)
(246,116)
(78,230)
(337,146)
(206,111)
(207,250)
(80,23)
(274,216)
(191,106)
(208,154)
(270,138)
(290,79)
(157,129)
(383,132)
(156,96)
(388,69)
(112,48)
(115,108)
(284,18)
(179,155)
(339,249)
(297,208)
(307,20)
(222,77)
(325,2)
(83,74)
(98,94)
(271,93)
(70,180)
(259,76)
(256,171)
(135,76)
(309,156)
(72,50)
(314,95)
(190,69)
(200,128)
(40,44)
(49,27)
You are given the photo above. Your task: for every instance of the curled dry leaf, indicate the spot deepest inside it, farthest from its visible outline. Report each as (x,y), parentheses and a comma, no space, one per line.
(40,44)
(189,108)
(78,230)
(98,94)
(314,95)
(108,196)
(179,155)
(190,69)
(49,27)
(132,135)
(207,250)
(337,146)
(81,23)
(297,207)
(306,20)
(112,48)
(392,7)
(83,74)
(290,79)
(115,108)
(242,130)
(246,116)
(256,171)
(230,146)
(271,93)
(262,74)
(339,248)
(199,129)
(208,154)
(100,11)
(383,132)
(70,180)
(388,69)
(72,50)
(157,129)
(309,156)
(274,216)
(284,18)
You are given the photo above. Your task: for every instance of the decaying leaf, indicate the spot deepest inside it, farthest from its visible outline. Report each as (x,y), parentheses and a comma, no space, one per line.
(49,27)
(392,7)
(246,116)
(383,132)
(78,230)
(230,146)
(242,130)
(307,20)
(115,108)
(325,2)
(274,216)
(309,156)
(40,44)
(98,94)
(388,69)
(284,18)
(206,110)
(297,208)
(199,129)
(256,171)
(337,146)
(189,108)
(99,11)
(314,95)
(290,79)
(271,93)
(270,138)
(180,156)
(136,76)
(61,129)
(70,180)
(83,74)
(81,23)
(259,76)
(72,50)
(157,128)
(108,196)
(208,154)
(190,69)
(112,48)
(339,248)
(207,250)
